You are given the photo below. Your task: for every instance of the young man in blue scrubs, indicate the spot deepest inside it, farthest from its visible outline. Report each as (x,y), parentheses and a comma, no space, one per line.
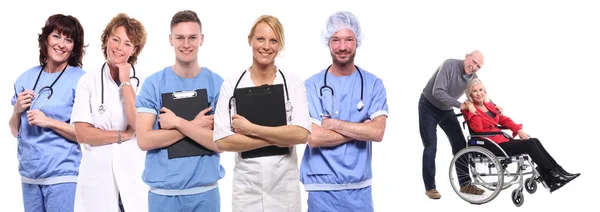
(348,109)
(182,183)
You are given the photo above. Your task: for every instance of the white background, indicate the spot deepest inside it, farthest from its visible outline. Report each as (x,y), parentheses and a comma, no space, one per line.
(540,65)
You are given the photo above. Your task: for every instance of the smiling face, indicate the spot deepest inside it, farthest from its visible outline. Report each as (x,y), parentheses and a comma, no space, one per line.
(265,45)
(119,47)
(477,93)
(186,38)
(342,46)
(59,47)
(473,62)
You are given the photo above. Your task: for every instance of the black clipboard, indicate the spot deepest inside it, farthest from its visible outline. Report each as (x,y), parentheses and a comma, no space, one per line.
(262,105)
(187,105)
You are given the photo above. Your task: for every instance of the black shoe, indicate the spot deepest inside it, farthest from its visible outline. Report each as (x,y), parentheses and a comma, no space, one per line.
(564,172)
(557,180)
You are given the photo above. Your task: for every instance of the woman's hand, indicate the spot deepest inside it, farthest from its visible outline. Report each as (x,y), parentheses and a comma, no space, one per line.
(37,117)
(23,101)
(522,134)
(241,125)
(124,72)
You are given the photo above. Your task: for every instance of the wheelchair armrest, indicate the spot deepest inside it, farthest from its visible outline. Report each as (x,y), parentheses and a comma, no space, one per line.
(484,134)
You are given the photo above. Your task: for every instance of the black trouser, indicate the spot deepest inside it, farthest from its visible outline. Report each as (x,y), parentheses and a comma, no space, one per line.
(121,204)
(429,117)
(534,148)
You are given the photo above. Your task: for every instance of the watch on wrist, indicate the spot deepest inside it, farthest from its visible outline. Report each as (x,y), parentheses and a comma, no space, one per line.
(119,141)
(126,83)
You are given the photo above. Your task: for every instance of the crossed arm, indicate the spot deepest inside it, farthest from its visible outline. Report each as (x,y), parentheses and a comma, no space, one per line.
(250,136)
(173,129)
(333,132)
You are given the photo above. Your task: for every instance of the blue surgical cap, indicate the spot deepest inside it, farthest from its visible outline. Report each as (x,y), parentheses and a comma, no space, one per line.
(340,20)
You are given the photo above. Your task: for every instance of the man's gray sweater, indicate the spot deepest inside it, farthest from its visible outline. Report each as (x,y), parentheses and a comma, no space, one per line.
(447,84)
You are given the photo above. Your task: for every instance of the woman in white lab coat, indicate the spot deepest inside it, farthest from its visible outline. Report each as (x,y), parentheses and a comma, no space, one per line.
(267,182)
(104,116)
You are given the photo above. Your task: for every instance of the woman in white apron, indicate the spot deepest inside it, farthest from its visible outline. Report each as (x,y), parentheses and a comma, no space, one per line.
(104,116)
(264,179)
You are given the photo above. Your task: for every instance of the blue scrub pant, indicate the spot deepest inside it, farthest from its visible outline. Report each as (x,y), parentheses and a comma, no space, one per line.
(429,117)
(355,200)
(49,198)
(209,201)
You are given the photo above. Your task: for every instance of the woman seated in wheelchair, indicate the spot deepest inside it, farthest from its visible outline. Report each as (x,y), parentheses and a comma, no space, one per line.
(483,116)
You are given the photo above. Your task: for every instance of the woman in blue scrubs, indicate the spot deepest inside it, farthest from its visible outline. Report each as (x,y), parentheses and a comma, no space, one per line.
(48,153)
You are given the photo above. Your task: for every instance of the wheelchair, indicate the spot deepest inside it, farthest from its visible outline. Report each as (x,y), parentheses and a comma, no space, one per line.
(493,169)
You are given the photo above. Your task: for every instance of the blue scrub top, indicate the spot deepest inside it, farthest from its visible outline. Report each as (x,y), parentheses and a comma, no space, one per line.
(46,157)
(349,162)
(178,173)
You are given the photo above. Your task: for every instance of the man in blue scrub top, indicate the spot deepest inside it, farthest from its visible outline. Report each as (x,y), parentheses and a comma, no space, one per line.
(183,183)
(348,109)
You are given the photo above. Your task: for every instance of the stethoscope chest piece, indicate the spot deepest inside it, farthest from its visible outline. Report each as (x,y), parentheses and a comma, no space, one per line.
(288,109)
(360,105)
(101,109)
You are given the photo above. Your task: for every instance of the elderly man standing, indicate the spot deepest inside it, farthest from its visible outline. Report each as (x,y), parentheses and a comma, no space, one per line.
(436,104)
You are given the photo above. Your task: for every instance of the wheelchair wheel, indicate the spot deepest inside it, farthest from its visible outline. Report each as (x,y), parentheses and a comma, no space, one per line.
(530,185)
(517,197)
(483,169)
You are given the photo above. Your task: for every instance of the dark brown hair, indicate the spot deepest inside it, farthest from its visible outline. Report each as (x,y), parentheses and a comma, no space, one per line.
(65,25)
(185,16)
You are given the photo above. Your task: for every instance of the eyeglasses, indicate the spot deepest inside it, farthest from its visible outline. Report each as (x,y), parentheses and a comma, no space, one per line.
(476,64)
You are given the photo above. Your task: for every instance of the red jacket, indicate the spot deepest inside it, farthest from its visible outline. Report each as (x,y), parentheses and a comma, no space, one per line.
(482,122)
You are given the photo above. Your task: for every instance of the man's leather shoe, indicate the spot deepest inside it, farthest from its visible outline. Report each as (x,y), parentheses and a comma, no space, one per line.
(433,194)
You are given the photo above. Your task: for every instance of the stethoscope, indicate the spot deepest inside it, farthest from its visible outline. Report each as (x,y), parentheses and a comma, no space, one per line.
(360,104)
(49,88)
(102,109)
(288,103)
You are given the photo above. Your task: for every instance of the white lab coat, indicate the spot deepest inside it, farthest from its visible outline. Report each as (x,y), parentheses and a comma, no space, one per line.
(265,183)
(108,169)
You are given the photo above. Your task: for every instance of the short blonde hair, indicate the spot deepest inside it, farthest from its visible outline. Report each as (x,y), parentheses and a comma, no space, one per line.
(274,23)
(134,29)
(473,82)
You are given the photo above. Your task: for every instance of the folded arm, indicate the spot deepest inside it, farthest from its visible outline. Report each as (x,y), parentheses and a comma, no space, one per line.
(241,143)
(321,137)
(366,131)
(200,135)
(287,135)
(149,139)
